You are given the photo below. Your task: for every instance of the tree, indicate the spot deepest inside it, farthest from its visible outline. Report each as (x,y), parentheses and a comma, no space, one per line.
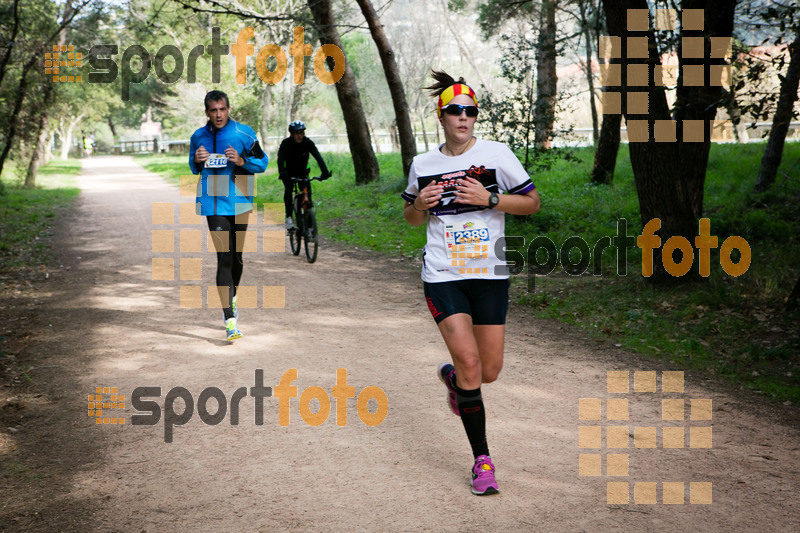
(493,14)
(419,37)
(794,297)
(788,96)
(408,146)
(365,164)
(509,114)
(11,40)
(780,123)
(607,147)
(670,176)
(544,109)
(45,31)
(44,113)
(587,9)
(605,155)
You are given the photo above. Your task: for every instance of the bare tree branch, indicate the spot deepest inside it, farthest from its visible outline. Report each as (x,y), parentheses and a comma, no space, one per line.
(227,9)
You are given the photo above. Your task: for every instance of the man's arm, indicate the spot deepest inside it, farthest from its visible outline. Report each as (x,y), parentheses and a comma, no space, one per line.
(313,151)
(195,167)
(255,160)
(282,162)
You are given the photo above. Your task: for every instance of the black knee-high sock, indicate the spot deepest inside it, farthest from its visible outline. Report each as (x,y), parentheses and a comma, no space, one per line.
(470,406)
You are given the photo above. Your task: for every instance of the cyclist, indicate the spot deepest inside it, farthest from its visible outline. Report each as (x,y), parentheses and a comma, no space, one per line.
(458,189)
(220,151)
(293,163)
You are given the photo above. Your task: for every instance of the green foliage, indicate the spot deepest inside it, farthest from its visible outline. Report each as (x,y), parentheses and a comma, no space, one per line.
(760,57)
(28,215)
(363,58)
(492,14)
(508,114)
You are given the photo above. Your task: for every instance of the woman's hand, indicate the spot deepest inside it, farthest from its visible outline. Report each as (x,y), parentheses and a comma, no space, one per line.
(429,196)
(416,212)
(471,191)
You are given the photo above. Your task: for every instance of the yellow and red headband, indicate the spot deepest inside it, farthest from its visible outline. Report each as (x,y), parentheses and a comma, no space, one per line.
(453,91)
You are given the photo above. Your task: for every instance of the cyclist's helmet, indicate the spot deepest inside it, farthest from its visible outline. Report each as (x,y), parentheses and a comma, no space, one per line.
(297,125)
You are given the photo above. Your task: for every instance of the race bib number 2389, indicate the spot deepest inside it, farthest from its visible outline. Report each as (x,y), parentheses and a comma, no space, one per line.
(472,238)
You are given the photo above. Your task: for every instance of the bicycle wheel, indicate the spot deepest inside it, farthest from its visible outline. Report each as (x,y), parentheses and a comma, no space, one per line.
(312,241)
(296,233)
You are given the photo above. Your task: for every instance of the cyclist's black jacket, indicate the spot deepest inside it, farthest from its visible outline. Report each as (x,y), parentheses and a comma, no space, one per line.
(293,158)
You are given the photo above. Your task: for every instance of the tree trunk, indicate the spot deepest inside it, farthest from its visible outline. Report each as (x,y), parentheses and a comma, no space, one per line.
(408,147)
(528,122)
(266,115)
(114,137)
(297,99)
(700,103)
(605,156)
(66,139)
(424,134)
(589,74)
(41,139)
(365,164)
(112,128)
(794,297)
(12,123)
(38,151)
(544,112)
(10,42)
(780,122)
(669,176)
(377,146)
(48,147)
(66,135)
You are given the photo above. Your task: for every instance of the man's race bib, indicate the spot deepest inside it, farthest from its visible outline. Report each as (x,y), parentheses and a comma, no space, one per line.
(468,240)
(216,161)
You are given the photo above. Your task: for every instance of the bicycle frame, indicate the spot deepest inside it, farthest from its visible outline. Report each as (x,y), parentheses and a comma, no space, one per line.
(305,228)
(302,190)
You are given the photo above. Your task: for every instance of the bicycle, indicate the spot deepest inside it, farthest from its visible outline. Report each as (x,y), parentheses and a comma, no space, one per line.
(305,221)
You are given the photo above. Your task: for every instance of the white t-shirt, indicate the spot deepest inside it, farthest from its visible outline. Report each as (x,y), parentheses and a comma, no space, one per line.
(462,237)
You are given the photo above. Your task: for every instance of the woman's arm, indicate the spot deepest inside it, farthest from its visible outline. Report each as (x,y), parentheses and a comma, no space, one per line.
(519,204)
(471,191)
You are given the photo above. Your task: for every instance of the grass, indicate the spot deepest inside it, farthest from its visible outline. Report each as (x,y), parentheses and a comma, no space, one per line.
(733,327)
(27,215)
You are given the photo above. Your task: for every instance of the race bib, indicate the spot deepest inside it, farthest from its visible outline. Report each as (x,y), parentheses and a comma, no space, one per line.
(469,240)
(216,161)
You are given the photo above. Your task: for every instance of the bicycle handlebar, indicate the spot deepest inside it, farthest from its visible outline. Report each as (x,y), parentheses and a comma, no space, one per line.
(315,178)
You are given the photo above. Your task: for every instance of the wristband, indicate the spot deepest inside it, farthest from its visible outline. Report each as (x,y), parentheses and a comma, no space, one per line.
(414,205)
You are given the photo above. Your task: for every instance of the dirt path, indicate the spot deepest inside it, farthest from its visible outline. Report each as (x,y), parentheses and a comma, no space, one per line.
(105,322)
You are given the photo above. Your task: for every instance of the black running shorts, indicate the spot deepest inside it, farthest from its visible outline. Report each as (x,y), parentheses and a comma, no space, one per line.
(485,300)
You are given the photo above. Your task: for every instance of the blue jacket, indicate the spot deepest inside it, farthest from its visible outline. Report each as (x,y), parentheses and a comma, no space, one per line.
(220,196)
